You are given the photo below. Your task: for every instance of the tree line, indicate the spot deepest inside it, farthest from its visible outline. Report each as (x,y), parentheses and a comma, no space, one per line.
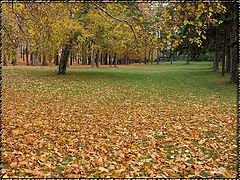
(120,33)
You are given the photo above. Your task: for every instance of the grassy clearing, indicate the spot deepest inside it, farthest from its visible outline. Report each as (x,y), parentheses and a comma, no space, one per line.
(132,121)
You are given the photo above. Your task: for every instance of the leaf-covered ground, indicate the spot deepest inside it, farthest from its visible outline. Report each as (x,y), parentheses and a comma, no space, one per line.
(131,121)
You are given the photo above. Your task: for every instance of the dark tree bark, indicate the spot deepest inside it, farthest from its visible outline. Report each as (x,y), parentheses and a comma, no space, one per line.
(21,51)
(71,59)
(216,52)
(106,59)
(39,58)
(56,58)
(31,58)
(115,59)
(234,44)
(145,58)
(92,57)
(110,60)
(227,54)
(84,53)
(188,56)
(97,58)
(15,57)
(101,59)
(158,56)
(27,61)
(235,60)
(5,62)
(152,57)
(78,58)
(149,56)
(216,61)
(44,61)
(64,59)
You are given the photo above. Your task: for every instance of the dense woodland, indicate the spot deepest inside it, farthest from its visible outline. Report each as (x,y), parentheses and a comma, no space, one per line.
(120,33)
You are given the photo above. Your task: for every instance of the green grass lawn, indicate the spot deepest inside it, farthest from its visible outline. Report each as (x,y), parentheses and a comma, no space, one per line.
(132,121)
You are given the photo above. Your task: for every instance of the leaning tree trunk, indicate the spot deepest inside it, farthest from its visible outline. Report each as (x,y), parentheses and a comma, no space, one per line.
(64,59)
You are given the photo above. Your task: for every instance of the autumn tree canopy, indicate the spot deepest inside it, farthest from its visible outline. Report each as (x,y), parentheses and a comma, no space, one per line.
(115,30)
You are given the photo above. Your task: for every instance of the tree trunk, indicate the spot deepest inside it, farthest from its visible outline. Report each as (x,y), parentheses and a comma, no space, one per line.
(106,59)
(23,53)
(56,58)
(78,58)
(15,57)
(27,60)
(216,61)
(149,56)
(101,62)
(92,58)
(227,53)
(84,53)
(234,39)
(97,58)
(44,61)
(71,59)
(5,62)
(152,57)
(145,58)
(217,49)
(39,57)
(35,58)
(31,58)
(158,56)
(115,59)
(64,59)
(110,60)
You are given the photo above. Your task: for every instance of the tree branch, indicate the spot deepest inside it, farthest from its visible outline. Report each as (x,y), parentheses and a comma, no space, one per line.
(117,19)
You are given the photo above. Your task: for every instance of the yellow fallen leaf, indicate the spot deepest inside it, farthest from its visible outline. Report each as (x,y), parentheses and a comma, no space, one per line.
(169,171)
(13,164)
(17,132)
(134,147)
(5,176)
(103,169)
(33,172)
